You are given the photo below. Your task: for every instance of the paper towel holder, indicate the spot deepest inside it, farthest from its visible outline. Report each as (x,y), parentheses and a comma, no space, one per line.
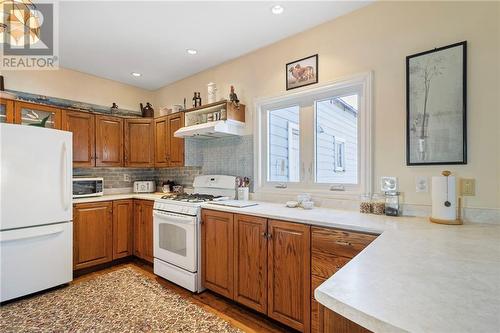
(458,220)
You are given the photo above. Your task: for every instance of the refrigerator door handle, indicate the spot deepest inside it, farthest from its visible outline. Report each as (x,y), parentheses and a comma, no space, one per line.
(64,176)
(27,234)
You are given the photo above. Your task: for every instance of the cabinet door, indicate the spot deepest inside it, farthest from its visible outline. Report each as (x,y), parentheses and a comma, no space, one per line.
(6,111)
(161,129)
(217,252)
(175,150)
(109,141)
(147,230)
(37,115)
(143,229)
(332,322)
(122,228)
(92,234)
(139,143)
(250,261)
(138,230)
(289,270)
(81,124)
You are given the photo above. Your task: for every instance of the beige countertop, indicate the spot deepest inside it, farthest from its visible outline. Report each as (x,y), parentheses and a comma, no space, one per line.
(415,277)
(111,197)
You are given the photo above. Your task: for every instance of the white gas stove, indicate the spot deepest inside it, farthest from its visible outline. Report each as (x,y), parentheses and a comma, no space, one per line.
(177,230)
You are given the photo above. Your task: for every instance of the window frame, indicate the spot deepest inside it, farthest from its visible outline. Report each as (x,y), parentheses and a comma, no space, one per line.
(307,123)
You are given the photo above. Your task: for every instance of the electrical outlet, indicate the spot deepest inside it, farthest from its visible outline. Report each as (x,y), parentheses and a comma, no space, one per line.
(421,184)
(126,177)
(468,186)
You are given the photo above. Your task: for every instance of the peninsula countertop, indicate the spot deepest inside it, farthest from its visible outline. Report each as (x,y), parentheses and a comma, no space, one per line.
(416,276)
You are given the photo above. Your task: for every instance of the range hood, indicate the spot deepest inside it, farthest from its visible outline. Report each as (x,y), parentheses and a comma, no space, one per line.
(212,129)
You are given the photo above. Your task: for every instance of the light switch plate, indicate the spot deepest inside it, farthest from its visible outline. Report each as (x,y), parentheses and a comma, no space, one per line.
(421,184)
(126,177)
(468,186)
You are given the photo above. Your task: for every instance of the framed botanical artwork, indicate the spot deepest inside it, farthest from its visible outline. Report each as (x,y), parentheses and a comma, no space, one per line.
(302,72)
(436,100)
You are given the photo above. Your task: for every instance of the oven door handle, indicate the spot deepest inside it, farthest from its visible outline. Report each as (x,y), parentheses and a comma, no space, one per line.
(174,218)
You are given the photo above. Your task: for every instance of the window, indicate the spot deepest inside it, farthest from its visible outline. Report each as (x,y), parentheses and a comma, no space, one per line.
(284,150)
(337,140)
(316,140)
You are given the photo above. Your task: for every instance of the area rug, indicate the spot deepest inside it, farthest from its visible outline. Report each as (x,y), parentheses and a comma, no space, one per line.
(120,301)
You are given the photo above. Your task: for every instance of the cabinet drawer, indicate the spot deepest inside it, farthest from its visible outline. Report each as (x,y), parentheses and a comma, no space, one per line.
(326,264)
(339,242)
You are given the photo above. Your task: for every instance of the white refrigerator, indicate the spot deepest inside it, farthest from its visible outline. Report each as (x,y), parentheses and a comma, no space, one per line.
(36,228)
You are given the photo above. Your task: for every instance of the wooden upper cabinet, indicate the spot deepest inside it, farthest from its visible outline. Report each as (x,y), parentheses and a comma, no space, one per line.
(139,143)
(289,274)
(82,125)
(6,111)
(250,261)
(35,114)
(123,215)
(161,129)
(109,141)
(217,252)
(169,150)
(175,150)
(92,234)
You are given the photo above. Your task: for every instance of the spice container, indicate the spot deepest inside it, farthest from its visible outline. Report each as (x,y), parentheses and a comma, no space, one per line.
(365,204)
(378,204)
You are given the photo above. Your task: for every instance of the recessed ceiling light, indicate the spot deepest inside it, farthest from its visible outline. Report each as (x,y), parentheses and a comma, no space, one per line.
(135,74)
(191,51)
(277,9)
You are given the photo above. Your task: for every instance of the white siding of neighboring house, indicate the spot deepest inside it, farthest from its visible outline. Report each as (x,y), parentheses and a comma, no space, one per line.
(339,123)
(278,142)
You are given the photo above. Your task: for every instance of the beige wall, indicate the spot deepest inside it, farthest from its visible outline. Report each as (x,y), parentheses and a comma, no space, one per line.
(378,38)
(78,86)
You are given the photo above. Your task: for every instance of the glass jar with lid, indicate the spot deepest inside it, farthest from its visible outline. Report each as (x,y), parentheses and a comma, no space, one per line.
(378,204)
(392,203)
(365,203)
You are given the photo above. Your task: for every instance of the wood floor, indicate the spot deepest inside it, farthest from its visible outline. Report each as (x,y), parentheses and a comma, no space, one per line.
(239,316)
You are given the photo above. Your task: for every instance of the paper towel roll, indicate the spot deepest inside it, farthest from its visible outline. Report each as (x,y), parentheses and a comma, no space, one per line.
(440,195)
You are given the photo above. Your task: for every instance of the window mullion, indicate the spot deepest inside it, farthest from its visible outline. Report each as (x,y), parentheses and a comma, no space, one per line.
(307,144)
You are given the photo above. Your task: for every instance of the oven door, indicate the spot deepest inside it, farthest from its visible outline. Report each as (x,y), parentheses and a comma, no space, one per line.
(175,239)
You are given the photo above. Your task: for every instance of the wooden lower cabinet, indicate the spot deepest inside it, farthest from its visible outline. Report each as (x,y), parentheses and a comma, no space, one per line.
(123,218)
(92,234)
(289,274)
(332,322)
(217,235)
(110,230)
(250,261)
(331,249)
(263,264)
(143,229)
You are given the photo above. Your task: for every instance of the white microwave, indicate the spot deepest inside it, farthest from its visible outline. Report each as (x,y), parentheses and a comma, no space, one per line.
(88,187)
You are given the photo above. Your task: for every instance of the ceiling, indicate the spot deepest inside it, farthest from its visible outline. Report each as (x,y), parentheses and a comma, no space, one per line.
(112,39)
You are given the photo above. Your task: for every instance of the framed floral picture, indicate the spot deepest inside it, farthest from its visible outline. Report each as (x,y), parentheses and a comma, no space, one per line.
(436,124)
(302,72)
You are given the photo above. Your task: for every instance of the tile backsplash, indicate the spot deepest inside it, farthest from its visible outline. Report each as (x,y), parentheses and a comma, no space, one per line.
(115,177)
(226,156)
(231,156)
